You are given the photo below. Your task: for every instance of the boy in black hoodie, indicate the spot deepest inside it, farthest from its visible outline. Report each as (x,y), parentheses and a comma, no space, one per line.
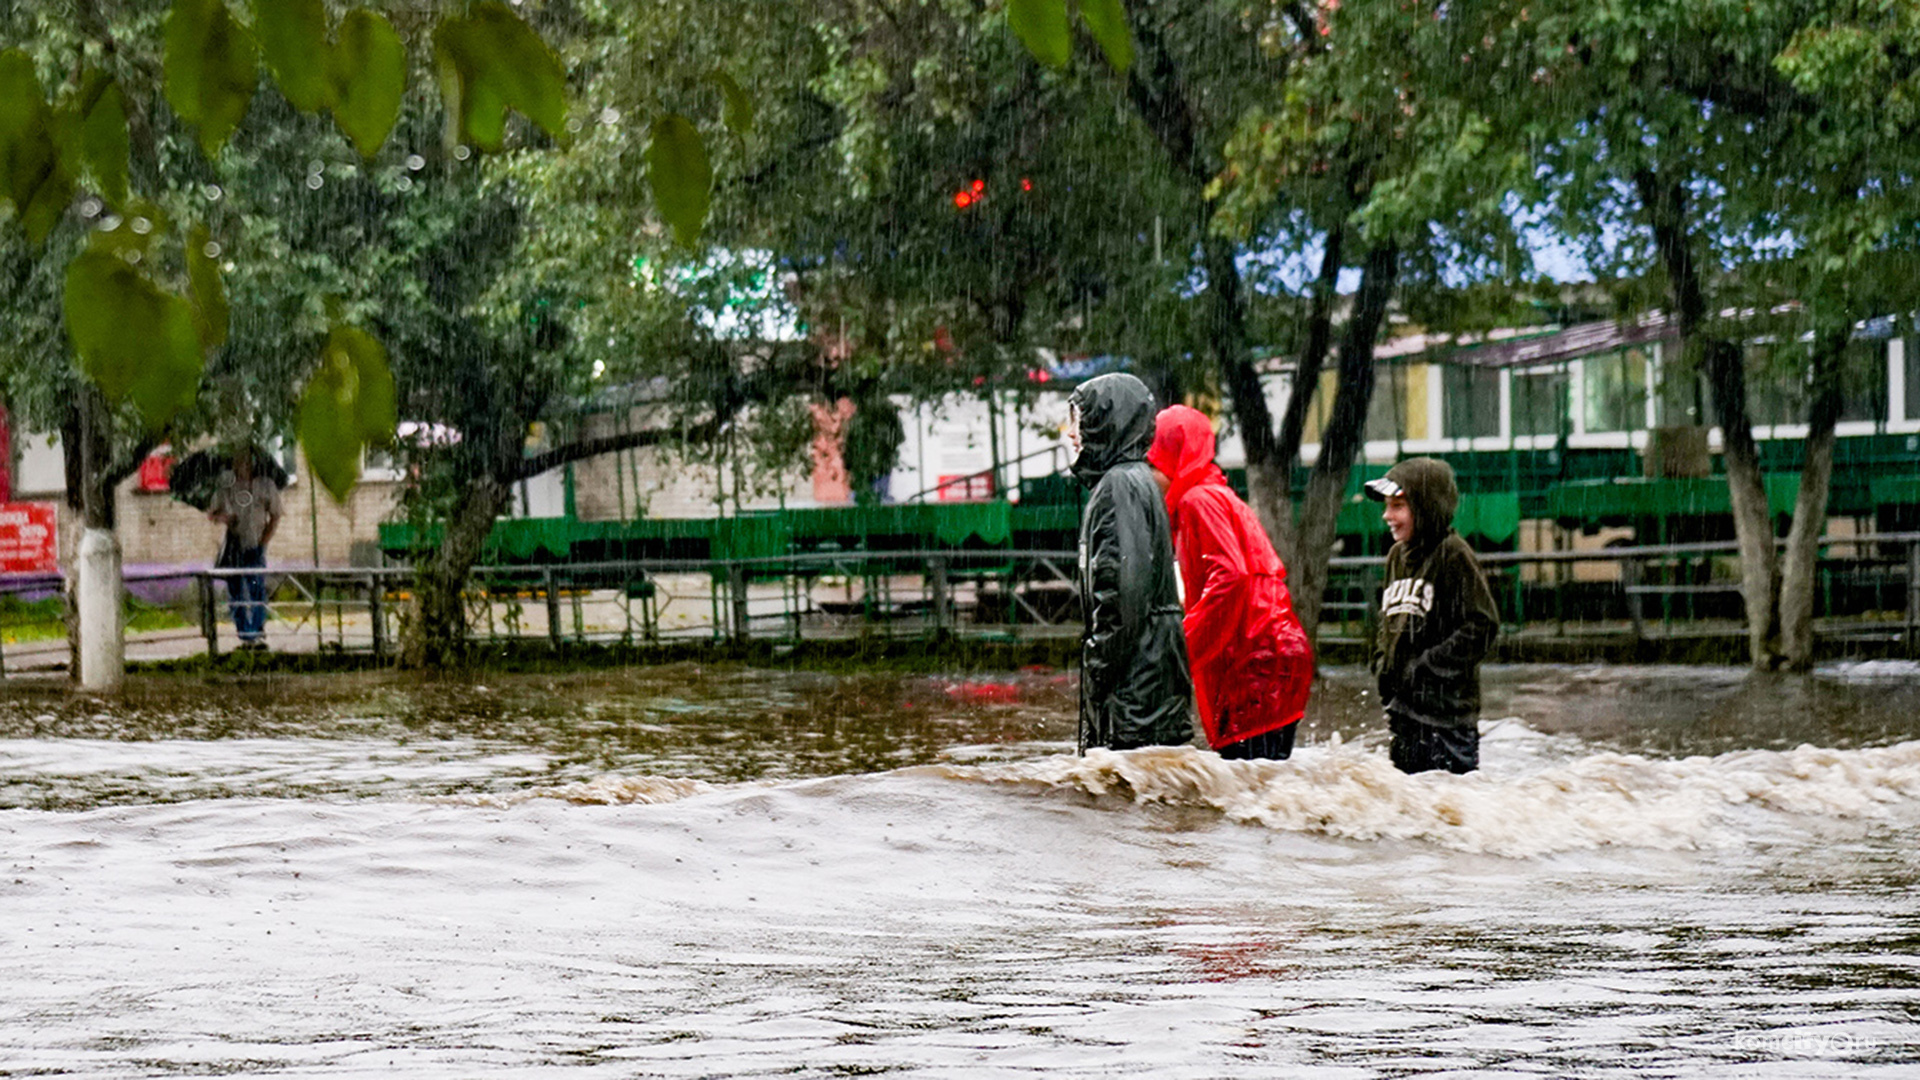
(1437,622)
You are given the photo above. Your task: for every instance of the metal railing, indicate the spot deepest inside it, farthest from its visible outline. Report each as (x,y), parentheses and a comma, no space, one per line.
(1868,589)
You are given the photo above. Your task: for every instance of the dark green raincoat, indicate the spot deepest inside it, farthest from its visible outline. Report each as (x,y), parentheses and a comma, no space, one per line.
(1134,686)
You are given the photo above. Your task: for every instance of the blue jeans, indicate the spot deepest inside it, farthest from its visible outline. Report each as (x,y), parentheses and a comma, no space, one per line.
(247,593)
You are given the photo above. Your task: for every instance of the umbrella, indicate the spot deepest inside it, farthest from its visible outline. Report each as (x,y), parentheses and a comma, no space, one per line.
(195,476)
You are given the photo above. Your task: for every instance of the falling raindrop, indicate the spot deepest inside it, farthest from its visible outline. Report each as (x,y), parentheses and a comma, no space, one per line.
(609,115)
(140,226)
(211,250)
(462,152)
(574,124)
(314,181)
(91,208)
(132,255)
(212,192)
(415,162)
(405,183)
(110,223)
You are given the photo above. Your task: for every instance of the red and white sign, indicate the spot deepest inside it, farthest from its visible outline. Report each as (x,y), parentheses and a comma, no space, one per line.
(961,487)
(28,541)
(156,472)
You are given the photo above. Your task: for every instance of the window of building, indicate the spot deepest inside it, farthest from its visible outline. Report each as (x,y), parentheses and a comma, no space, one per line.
(1863,382)
(1471,399)
(1540,400)
(1386,413)
(1912,370)
(1682,395)
(1776,385)
(1615,397)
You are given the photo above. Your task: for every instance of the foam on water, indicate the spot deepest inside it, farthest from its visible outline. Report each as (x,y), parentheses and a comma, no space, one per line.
(1596,800)
(601,790)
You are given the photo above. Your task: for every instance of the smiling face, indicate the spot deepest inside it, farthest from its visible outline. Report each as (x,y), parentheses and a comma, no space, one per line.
(1399,518)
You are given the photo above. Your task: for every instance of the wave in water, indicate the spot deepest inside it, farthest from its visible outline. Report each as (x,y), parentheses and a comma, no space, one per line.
(1603,799)
(601,790)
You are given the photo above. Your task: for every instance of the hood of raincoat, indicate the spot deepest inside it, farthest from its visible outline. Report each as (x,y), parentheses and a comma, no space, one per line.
(1116,424)
(1431,493)
(1183,447)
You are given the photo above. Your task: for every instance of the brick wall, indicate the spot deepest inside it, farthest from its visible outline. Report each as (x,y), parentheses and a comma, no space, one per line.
(157,529)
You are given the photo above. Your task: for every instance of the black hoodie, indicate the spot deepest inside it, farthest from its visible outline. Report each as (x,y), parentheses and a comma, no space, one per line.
(1437,616)
(1134,686)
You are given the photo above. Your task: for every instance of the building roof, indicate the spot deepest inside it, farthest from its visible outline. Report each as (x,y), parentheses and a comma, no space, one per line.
(1584,339)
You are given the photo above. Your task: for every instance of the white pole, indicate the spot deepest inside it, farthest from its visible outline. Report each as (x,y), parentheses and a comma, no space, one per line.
(102,645)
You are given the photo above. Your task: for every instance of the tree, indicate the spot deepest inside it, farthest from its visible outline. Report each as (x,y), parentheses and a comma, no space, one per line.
(142,303)
(1742,152)
(936,207)
(1354,140)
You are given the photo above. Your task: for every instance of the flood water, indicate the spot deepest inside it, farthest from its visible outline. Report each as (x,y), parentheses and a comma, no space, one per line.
(718,871)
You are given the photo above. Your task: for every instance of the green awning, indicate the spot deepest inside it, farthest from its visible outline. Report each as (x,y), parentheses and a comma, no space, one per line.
(1494,516)
(1627,498)
(950,524)
(1896,490)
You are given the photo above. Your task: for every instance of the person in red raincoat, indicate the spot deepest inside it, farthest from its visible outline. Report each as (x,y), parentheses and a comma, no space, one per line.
(1252,666)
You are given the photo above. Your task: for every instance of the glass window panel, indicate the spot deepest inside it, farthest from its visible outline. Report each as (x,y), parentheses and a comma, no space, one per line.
(1863,381)
(1385,420)
(1912,369)
(1776,386)
(1683,394)
(1540,402)
(1471,399)
(1616,391)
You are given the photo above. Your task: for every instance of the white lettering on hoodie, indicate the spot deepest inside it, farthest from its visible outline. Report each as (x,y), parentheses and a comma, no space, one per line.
(1407,596)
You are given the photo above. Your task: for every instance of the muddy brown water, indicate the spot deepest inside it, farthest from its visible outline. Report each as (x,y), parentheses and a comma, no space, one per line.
(723,871)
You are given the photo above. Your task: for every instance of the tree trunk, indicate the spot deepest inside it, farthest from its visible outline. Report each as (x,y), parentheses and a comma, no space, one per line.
(1277,470)
(1664,202)
(1800,564)
(96,647)
(1345,437)
(1158,90)
(1269,479)
(1747,492)
(436,637)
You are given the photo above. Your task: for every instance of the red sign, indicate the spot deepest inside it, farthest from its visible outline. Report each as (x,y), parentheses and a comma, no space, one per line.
(961,487)
(28,542)
(156,472)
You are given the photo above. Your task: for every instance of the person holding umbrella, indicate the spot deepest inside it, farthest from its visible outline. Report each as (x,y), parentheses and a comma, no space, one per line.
(247,502)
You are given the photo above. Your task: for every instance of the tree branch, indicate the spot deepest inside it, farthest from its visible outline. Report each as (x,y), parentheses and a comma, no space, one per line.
(608,444)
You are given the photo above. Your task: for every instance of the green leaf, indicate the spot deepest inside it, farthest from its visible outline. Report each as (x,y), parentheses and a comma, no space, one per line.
(95,136)
(293,40)
(1107,21)
(1041,25)
(681,176)
(737,113)
(32,175)
(211,312)
(375,411)
(490,62)
(212,66)
(348,404)
(132,339)
(368,72)
(329,434)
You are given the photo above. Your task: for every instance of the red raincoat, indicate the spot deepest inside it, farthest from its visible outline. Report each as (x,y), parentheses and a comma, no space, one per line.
(1252,666)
